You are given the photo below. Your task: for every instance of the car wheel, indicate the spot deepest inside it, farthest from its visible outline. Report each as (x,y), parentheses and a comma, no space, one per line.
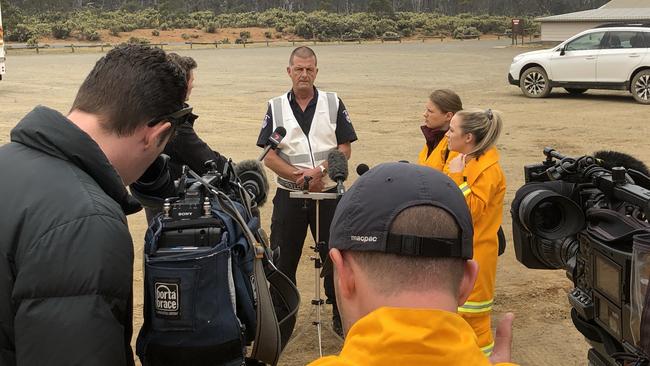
(534,83)
(575,91)
(640,87)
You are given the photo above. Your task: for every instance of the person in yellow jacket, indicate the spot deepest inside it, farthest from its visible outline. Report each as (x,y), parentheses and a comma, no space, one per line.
(476,171)
(401,247)
(440,108)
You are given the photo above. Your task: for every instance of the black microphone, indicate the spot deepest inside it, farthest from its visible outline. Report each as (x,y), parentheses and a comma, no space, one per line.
(362,169)
(273,141)
(252,175)
(337,165)
(611,159)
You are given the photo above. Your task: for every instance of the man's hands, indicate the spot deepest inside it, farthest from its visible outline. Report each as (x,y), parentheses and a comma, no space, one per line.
(503,340)
(315,184)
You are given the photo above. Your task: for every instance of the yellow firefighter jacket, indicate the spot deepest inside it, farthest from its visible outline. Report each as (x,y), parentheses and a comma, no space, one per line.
(400,336)
(439,156)
(483,184)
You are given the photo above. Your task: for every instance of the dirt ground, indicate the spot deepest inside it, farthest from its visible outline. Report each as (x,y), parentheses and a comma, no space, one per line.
(385,87)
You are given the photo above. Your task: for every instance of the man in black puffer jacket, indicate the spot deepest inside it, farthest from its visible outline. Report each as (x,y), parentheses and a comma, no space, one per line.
(66,255)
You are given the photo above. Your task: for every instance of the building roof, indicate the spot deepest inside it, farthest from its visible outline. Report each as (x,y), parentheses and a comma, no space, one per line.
(615,10)
(626,4)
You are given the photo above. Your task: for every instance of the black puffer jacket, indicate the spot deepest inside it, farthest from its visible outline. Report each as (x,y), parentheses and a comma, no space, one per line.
(187,148)
(66,255)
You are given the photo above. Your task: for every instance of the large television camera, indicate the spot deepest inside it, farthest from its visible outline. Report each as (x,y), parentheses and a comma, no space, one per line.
(589,216)
(208,268)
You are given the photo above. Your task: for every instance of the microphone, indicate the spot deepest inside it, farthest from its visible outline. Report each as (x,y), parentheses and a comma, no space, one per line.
(273,141)
(613,159)
(338,169)
(252,175)
(362,169)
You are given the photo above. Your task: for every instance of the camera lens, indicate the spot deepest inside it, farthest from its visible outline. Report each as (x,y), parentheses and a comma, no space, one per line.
(550,215)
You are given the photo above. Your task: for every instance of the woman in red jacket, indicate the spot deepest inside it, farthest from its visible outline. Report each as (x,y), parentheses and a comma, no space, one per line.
(476,170)
(441,107)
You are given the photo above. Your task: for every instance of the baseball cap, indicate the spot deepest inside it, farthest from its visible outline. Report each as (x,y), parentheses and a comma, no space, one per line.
(365,213)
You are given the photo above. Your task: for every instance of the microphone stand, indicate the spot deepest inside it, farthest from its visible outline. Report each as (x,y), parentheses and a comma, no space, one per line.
(318,264)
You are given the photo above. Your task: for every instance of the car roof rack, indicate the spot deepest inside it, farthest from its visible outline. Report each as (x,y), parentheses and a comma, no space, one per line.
(612,25)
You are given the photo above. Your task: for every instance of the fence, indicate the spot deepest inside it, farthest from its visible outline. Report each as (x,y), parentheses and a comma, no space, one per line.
(244,42)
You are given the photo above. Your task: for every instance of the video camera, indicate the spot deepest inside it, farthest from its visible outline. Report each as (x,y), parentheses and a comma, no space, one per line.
(208,268)
(589,216)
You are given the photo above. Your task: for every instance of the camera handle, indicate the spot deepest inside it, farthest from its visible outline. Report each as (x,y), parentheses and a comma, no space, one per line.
(318,264)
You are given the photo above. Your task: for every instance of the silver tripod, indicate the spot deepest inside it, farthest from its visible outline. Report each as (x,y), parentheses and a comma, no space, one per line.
(317,301)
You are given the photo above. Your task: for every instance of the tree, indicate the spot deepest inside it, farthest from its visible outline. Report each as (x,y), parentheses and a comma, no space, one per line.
(381,7)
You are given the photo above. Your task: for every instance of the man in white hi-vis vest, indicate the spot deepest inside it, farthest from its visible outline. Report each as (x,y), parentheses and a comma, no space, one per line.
(316,122)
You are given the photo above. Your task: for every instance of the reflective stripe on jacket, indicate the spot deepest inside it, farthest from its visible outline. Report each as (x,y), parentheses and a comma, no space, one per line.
(439,156)
(400,336)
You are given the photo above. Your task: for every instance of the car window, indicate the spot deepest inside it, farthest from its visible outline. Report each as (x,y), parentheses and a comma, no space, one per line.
(623,39)
(589,41)
(646,35)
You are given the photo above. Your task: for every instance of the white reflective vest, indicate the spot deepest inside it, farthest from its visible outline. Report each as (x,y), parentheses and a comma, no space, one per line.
(306,151)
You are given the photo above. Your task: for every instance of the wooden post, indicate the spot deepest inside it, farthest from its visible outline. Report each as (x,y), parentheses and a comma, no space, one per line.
(37,48)
(191,45)
(359,40)
(72,47)
(267,43)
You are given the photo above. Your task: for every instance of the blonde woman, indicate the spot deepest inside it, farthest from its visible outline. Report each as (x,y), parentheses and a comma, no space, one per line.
(440,108)
(476,170)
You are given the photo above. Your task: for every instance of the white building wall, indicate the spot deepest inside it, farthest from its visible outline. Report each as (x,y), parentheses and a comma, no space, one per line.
(560,31)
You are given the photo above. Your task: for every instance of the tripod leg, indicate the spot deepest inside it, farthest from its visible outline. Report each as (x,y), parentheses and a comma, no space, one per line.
(317,266)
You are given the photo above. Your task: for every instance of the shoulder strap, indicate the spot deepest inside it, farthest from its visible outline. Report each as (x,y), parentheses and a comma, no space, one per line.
(268,342)
(267,346)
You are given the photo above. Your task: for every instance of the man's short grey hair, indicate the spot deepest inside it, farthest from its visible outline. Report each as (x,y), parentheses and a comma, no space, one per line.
(303,52)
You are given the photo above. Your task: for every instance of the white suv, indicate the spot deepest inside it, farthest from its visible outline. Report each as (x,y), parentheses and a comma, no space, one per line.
(601,58)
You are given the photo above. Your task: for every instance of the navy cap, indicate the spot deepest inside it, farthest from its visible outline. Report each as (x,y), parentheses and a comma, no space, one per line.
(365,213)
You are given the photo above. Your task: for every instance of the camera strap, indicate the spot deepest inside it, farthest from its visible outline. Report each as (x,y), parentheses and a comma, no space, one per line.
(267,345)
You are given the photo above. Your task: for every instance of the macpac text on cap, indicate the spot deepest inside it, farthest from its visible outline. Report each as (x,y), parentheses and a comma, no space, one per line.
(363,239)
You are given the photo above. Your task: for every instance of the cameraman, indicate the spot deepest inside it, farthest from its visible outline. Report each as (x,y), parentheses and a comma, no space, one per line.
(66,254)
(186,147)
(476,170)
(401,242)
